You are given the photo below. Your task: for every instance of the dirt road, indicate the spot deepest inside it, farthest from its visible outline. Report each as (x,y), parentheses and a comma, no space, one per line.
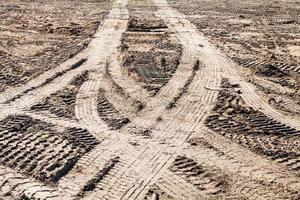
(152,109)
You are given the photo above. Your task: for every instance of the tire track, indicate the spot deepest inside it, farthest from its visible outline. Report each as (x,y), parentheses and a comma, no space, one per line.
(124,102)
(130,87)
(99,50)
(148,150)
(143,161)
(13,185)
(38,81)
(104,42)
(86,100)
(252,98)
(230,158)
(210,96)
(155,105)
(177,187)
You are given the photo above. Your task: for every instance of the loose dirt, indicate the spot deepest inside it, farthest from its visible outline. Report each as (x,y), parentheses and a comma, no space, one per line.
(149,99)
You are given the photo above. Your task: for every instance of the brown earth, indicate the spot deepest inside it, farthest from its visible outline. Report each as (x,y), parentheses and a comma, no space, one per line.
(149,99)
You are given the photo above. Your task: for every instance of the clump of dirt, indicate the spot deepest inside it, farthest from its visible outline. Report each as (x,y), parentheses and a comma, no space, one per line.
(141,131)
(145,22)
(155,193)
(141,6)
(200,142)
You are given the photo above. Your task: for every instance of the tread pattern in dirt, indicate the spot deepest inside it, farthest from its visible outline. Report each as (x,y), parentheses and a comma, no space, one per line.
(37,149)
(253,129)
(280,66)
(44,35)
(204,180)
(62,103)
(109,114)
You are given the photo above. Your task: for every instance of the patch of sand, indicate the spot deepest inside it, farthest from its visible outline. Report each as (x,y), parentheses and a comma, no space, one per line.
(294,50)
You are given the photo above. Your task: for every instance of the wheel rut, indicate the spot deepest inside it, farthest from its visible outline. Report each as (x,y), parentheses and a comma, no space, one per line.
(116,122)
(203,84)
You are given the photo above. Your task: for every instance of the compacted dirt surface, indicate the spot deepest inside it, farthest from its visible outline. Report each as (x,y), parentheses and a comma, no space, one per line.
(149,99)
(38,35)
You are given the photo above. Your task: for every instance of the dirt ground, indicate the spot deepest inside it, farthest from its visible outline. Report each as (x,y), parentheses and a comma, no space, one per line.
(39,35)
(149,99)
(260,36)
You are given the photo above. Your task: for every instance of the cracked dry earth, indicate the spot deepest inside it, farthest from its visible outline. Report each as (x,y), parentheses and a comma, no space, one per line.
(149,99)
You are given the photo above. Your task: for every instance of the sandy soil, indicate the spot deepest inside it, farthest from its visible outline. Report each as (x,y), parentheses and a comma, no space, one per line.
(261,37)
(149,99)
(37,35)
